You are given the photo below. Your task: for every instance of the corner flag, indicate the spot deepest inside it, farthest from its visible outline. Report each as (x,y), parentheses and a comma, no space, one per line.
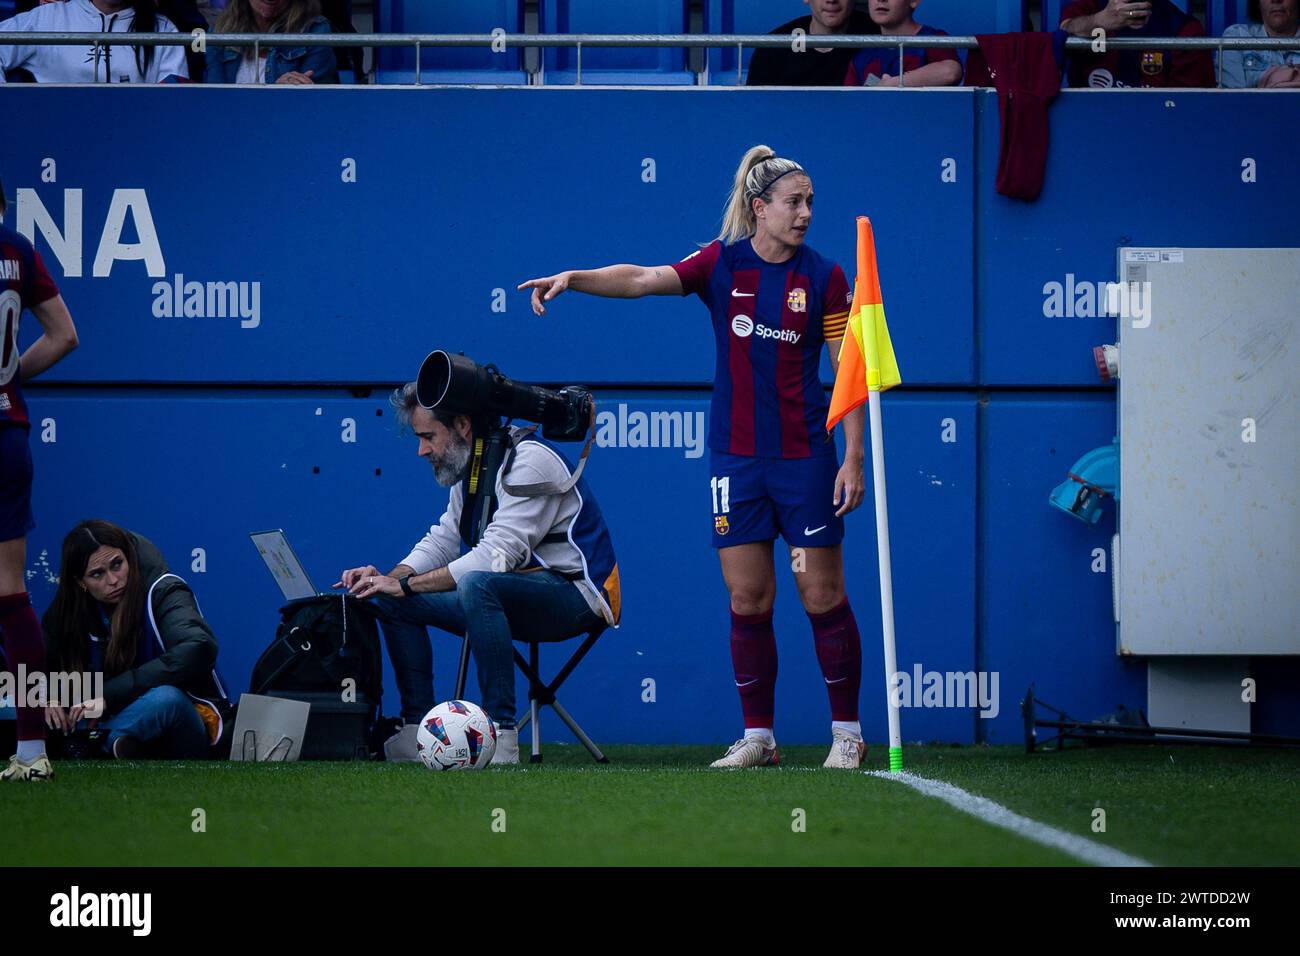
(867,368)
(867,360)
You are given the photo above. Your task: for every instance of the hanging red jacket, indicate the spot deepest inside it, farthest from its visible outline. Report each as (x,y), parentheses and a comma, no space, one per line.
(1025,69)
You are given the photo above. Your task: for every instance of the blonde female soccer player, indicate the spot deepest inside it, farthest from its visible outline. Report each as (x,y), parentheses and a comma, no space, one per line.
(774,302)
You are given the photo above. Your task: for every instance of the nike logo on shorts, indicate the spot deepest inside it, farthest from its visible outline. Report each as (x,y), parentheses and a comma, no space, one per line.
(808,533)
(747,683)
(737,294)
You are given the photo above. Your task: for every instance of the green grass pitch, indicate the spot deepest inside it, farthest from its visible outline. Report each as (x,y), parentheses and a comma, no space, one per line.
(662,806)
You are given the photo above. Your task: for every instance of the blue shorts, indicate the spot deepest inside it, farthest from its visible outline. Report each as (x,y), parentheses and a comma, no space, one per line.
(15,483)
(754,499)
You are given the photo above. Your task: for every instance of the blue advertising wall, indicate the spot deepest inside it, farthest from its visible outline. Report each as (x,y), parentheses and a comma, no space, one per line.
(363,227)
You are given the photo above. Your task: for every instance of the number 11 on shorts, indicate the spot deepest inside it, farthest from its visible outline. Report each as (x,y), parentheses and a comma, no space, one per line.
(721,487)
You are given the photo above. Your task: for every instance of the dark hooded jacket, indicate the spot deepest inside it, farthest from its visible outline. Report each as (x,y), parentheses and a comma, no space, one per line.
(177,648)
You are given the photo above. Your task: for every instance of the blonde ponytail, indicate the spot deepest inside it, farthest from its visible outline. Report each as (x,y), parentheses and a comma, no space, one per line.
(758,171)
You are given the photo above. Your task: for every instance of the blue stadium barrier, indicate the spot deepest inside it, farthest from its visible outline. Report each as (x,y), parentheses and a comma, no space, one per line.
(644,66)
(387,237)
(1042,261)
(1220,14)
(1051,11)
(440,196)
(277,460)
(1045,601)
(957,17)
(450,64)
(995,275)
(7,9)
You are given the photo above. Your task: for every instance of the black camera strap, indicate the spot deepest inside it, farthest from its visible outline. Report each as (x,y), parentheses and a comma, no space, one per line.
(480,499)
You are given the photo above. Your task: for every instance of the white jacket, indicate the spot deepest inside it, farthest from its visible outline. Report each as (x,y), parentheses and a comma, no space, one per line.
(517,529)
(87,64)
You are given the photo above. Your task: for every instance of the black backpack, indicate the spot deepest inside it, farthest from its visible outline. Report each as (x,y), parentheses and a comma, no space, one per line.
(322,642)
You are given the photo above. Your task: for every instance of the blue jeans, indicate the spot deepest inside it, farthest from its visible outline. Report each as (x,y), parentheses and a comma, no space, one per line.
(493,608)
(164,719)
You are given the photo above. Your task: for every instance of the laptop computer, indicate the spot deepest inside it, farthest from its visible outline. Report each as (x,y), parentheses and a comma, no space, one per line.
(283,564)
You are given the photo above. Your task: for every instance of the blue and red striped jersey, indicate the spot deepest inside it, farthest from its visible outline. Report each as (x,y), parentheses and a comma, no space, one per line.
(24,283)
(883,61)
(770,321)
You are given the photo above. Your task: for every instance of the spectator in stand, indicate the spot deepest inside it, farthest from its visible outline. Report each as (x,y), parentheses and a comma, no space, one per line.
(99,63)
(825,66)
(184,15)
(1264,69)
(921,67)
(302,65)
(1143,18)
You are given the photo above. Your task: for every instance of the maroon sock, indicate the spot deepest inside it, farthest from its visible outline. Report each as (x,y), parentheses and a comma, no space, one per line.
(839,651)
(753,655)
(20,630)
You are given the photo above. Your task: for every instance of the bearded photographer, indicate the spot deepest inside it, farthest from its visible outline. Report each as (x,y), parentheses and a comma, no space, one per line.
(544,569)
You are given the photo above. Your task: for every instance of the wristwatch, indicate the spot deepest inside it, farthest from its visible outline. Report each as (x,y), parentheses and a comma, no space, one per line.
(406,586)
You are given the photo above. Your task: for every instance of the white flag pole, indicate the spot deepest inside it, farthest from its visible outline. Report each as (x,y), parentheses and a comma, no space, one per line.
(882,535)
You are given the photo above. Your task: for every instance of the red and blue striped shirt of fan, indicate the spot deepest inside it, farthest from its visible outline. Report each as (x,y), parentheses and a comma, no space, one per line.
(770,322)
(883,61)
(24,283)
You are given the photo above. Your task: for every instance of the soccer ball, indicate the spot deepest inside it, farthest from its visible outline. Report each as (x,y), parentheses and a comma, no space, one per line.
(456,735)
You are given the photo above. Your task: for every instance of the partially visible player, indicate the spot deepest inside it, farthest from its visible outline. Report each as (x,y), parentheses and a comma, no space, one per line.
(24,284)
(773,470)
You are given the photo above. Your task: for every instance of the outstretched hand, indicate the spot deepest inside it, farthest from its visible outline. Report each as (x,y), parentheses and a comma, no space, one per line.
(546,289)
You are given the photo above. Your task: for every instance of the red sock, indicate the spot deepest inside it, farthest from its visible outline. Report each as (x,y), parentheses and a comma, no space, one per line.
(753,656)
(20,630)
(839,651)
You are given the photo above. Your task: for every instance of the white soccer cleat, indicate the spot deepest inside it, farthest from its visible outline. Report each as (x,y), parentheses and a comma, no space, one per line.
(748,752)
(847,752)
(36,771)
(507,751)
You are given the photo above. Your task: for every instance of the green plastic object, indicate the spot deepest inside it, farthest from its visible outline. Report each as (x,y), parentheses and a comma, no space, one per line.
(895,759)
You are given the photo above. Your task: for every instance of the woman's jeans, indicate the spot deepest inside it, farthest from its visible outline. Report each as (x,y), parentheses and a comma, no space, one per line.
(164,720)
(494,608)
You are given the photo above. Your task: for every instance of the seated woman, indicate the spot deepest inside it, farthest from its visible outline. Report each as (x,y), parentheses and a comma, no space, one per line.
(278,64)
(119,611)
(1264,69)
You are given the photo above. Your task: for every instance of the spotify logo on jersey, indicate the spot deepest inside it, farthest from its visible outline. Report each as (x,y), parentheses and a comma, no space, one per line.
(742,325)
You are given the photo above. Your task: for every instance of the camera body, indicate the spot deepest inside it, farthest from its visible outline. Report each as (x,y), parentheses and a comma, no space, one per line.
(458,384)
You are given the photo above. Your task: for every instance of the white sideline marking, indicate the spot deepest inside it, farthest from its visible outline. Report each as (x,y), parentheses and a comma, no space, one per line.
(1000,816)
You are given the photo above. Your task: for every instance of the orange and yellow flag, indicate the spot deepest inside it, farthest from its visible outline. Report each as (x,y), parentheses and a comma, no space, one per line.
(867,360)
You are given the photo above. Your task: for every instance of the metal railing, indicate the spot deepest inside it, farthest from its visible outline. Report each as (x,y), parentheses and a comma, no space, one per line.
(200,38)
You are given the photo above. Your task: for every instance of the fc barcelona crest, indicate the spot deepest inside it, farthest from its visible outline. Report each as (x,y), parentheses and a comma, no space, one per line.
(797,300)
(721,525)
(1153,61)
